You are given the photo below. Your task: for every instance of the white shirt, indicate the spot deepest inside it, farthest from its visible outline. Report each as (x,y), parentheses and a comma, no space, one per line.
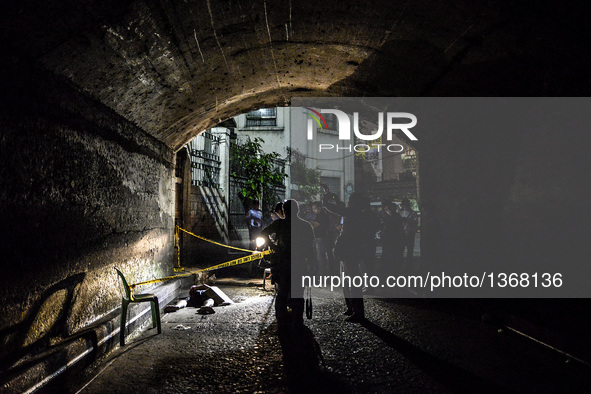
(255,217)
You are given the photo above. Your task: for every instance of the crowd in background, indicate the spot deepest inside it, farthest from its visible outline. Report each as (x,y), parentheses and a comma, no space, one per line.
(342,238)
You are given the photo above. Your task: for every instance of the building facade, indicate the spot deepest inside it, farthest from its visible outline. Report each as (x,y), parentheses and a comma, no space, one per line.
(208,199)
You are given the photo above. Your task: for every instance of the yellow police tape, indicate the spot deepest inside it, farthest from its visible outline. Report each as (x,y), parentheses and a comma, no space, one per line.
(242,260)
(213,242)
(177,248)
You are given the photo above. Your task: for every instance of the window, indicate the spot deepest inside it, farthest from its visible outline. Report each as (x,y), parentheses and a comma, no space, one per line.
(262,117)
(332,125)
(331,122)
(409,161)
(332,183)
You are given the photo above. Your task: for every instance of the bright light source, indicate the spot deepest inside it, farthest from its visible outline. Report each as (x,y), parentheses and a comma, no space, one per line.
(260,241)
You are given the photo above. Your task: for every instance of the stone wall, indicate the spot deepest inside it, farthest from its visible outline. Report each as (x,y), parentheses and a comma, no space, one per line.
(82,190)
(206,216)
(515,195)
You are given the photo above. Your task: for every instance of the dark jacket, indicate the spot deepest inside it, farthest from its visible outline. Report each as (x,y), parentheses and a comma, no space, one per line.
(295,242)
(357,239)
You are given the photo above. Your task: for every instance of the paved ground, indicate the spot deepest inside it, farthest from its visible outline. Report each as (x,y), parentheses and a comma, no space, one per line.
(408,346)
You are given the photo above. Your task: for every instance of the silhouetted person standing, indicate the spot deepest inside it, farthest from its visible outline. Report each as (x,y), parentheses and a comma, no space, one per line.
(430,237)
(294,243)
(353,247)
(321,224)
(392,237)
(410,221)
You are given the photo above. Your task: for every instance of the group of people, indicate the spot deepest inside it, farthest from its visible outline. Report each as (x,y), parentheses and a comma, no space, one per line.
(398,237)
(335,234)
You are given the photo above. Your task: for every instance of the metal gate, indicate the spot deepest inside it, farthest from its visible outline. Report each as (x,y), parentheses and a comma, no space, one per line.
(235,206)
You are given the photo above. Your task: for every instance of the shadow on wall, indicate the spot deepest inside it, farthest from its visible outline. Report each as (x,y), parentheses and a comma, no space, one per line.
(417,65)
(42,329)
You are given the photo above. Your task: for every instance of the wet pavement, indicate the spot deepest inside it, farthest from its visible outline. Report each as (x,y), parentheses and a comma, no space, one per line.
(405,346)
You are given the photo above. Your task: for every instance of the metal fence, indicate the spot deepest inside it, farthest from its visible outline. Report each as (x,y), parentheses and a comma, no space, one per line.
(205,160)
(236,211)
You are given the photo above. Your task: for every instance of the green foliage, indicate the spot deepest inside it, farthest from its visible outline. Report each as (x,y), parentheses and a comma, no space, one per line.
(307,179)
(260,170)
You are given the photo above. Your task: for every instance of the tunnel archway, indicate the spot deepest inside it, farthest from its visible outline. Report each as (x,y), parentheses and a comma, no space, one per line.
(178,69)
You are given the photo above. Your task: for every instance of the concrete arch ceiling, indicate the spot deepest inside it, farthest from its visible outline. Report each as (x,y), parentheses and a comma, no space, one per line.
(177,67)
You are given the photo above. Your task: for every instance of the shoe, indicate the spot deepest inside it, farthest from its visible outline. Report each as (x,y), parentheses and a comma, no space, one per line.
(348,312)
(355,318)
(205,310)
